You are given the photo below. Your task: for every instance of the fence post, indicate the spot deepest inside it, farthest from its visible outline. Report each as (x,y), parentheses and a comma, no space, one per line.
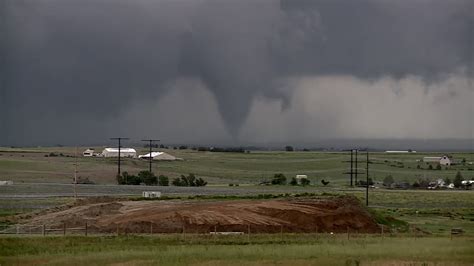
(184,233)
(382,231)
(118,233)
(281,232)
(44,230)
(248,233)
(86,228)
(347,228)
(151,228)
(64,228)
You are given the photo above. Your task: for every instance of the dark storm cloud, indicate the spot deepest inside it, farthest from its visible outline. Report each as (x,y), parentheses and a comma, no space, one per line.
(70,61)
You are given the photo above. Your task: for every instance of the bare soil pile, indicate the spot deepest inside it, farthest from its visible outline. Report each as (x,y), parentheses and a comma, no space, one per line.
(260,216)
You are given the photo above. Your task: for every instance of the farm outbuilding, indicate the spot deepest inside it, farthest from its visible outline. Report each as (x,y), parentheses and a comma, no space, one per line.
(88,153)
(159,156)
(124,152)
(298,177)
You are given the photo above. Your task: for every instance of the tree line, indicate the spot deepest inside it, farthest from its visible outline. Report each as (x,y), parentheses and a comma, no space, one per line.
(150,179)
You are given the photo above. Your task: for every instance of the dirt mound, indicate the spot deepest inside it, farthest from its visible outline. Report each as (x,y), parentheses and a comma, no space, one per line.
(20,218)
(260,216)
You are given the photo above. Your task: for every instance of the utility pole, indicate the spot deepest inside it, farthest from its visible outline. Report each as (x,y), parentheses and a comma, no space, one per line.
(75,174)
(352,171)
(367,181)
(356,166)
(119,146)
(150,141)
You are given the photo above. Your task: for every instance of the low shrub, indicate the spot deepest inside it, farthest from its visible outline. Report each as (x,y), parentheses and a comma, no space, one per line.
(279,179)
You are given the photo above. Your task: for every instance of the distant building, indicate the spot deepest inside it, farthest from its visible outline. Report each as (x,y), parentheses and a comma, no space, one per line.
(301,177)
(159,156)
(443,160)
(88,153)
(408,151)
(124,152)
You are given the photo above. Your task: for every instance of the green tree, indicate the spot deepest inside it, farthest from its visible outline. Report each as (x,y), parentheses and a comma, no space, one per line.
(121,179)
(178,182)
(416,184)
(424,183)
(458,180)
(279,179)
(189,181)
(289,148)
(388,181)
(438,167)
(430,167)
(293,181)
(305,181)
(185,181)
(447,181)
(148,178)
(200,182)
(133,180)
(163,180)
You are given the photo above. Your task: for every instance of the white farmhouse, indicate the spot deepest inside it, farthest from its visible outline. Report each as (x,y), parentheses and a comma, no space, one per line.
(443,160)
(124,152)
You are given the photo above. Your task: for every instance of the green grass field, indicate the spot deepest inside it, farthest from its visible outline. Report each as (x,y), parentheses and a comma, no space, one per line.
(435,212)
(237,250)
(31,165)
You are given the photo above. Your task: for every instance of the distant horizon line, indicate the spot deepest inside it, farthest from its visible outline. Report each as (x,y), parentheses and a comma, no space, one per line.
(380,144)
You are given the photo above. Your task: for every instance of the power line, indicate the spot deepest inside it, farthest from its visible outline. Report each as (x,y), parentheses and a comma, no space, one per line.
(150,158)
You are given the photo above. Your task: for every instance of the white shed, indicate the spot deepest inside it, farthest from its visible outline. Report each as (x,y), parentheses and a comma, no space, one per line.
(301,177)
(124,152)
(159,156)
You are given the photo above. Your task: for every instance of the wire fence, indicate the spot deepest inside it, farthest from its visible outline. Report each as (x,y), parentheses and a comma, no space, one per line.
(86,229)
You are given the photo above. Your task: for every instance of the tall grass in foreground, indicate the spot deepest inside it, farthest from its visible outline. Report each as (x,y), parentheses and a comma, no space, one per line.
(262,249)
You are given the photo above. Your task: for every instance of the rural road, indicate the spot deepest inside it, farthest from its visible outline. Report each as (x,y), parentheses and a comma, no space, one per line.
(47,190)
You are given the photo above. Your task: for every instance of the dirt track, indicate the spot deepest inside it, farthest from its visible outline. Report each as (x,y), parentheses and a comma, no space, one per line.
(261,216)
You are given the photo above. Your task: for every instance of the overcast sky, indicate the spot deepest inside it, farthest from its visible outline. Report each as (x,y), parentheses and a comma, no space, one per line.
(235,71)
